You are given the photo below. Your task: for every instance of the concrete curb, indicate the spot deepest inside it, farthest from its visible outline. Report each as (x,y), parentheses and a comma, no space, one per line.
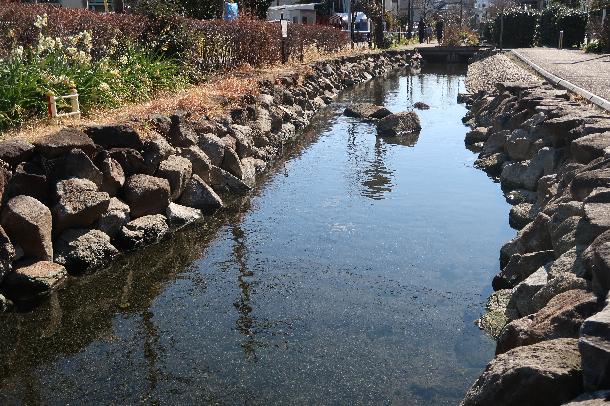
(557,81)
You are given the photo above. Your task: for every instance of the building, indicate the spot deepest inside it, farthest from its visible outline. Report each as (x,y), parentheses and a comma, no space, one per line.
(95,5)
(292,11)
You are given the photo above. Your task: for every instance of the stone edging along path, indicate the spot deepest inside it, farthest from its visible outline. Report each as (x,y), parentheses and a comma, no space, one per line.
(74,200)
(550,312)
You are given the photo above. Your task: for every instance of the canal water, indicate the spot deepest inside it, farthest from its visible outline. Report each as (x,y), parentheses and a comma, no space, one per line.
(353,275)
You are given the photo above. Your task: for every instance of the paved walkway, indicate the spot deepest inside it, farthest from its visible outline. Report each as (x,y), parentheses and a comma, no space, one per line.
(588,71)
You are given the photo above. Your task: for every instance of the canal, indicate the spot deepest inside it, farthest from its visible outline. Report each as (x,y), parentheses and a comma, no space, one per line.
(353,275)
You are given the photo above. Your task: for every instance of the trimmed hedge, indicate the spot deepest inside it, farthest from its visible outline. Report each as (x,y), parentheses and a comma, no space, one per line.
(558,18)
(524,29)
(519,28)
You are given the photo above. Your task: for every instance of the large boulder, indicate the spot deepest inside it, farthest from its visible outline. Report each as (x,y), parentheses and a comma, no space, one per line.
(594,345)
(542,374)
(398,124)
(476,135)
(113,176)
(589,147)
(199,195)
(56,144)
(200,162)
(223,182)
(7,254)
(114,136)
(521,215)
(28,179)
(143,231)
(213,148)
(522,294)
(598,398)
(154,151)
(177,170)
(78,207)
(130,160)
(495,143)
(600,267)
(28,224)
(560,318)
(181,134)
(146,195)
(30,282)
(367,111)
(519,267)
(82,250)
(584,182)
(522,145)
(76,164)
(114,218)
(556,285)
(533,237)
(232,164)
(15,151)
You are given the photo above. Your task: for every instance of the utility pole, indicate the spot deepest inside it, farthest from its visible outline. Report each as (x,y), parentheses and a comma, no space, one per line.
(350,26)
(501,29)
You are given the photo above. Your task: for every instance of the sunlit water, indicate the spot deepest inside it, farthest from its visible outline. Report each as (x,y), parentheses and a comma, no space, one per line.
(353,275)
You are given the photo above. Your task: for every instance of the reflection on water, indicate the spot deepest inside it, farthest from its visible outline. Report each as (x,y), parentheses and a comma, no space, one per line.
(353,276)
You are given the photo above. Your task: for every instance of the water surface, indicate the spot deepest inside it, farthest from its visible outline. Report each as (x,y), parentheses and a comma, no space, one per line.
(352,276)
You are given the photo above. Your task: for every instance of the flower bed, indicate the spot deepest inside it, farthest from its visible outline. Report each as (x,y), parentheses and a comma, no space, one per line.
(112,58)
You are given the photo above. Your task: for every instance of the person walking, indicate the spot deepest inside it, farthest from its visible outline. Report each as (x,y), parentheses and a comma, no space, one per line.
(428,33)
(421,31)
(440,26)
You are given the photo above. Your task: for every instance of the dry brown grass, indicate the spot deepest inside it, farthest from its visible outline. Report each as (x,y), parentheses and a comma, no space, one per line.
(212,98)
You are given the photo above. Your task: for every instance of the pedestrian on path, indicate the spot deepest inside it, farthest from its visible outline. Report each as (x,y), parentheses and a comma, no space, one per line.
(440,26)
(421,31)
(428,33)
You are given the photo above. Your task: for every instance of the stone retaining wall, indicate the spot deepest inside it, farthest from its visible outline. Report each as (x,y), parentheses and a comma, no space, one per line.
(550,313)
(74,200)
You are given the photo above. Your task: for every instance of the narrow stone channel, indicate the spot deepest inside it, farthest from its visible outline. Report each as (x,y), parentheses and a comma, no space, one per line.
(353,275)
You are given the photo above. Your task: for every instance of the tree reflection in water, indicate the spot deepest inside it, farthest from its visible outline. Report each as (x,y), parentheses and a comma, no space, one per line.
(245,322)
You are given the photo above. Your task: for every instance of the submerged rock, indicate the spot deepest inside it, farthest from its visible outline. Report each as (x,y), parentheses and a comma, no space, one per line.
(421,106)
(398,124)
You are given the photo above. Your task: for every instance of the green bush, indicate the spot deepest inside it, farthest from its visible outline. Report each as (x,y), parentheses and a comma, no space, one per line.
(55,65)
(558,18)
(519,28)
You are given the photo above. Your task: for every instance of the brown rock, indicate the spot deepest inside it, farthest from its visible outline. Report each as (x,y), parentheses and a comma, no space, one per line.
(560,318)
(32,281)
(28,223)
(146,195)
(59,143)
(543,374)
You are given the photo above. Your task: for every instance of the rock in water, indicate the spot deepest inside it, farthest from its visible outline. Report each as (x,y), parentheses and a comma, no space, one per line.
(81,250)
(143,231)
(542,374)
(32,281)
(366,111)
(199,195)
(398,124)
(421,106)
(179,215)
